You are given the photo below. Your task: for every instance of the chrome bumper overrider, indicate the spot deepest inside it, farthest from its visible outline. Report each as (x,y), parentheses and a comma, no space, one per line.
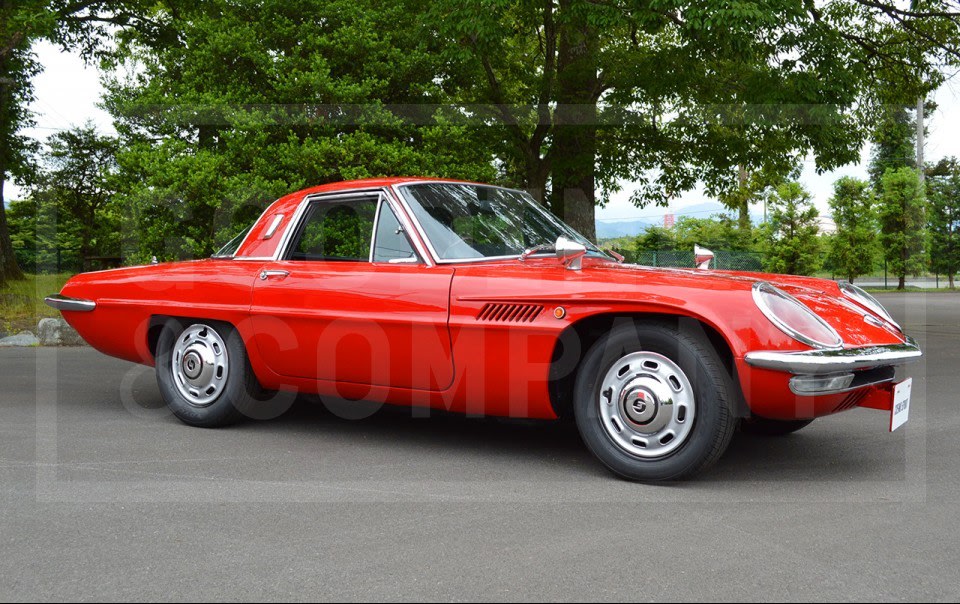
(818,362)
(67,303)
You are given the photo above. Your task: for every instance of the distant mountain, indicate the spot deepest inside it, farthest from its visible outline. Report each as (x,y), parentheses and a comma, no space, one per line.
(625,228)
(607,229)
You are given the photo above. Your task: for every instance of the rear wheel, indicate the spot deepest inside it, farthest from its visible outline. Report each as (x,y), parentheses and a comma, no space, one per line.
(762,426)
(204,374)
(653,401)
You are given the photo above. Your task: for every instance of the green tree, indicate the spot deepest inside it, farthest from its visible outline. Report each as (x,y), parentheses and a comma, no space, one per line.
(17,67)
(902,223)
(655,238)
(853,248)
(893,143)
(719,232)
(43,241)
(591,94)
(79,176)
(792,241)
(244,108)
(80,25)
(943,192)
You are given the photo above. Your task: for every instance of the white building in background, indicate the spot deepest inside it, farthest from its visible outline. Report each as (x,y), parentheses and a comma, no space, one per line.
(826,224)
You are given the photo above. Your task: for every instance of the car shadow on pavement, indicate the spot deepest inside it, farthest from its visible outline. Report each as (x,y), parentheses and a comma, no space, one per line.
(826,450)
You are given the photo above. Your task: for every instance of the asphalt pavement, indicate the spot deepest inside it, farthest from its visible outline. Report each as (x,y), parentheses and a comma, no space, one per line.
(104,496)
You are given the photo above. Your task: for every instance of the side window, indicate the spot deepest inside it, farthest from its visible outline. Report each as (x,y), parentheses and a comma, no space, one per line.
(391,242)
(336,231)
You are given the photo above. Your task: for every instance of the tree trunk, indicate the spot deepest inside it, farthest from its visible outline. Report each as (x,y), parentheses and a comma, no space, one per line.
(9,269)
(574,150)
(537,173)
(743,220)
(902,284)
(950,280)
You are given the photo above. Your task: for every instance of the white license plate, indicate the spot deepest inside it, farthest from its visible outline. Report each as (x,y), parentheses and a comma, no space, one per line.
(901,404)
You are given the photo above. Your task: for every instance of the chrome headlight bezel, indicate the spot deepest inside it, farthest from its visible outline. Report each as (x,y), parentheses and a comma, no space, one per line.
(868,302)
(763,291)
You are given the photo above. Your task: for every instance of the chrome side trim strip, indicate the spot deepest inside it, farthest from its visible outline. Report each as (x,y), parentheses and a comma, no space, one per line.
(62,303)
(818,362)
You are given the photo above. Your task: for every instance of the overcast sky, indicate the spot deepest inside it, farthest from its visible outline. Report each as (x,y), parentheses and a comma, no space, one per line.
(68,93)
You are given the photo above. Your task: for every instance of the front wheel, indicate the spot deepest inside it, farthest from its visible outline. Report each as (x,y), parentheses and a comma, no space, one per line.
(653,401)
(203,373)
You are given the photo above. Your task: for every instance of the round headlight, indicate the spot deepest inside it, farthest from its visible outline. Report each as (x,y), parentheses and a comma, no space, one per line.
(793,317)
(867,301)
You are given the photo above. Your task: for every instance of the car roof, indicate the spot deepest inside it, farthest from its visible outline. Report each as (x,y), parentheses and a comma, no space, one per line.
(254,245)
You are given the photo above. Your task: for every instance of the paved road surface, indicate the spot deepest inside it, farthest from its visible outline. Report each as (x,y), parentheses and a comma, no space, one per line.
(105,496)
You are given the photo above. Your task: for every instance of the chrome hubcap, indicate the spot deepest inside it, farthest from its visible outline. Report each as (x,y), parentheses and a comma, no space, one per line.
(646,404)
(200,365)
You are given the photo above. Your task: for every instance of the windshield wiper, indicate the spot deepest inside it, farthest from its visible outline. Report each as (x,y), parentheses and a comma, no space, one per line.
(543,247)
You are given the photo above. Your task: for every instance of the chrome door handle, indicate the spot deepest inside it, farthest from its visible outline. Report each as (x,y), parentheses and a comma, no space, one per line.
(265,274)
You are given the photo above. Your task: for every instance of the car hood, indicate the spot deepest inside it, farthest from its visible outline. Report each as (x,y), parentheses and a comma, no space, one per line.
(796,285)
(822,296)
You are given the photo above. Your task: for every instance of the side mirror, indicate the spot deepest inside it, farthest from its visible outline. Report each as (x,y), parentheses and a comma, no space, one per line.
(570,252)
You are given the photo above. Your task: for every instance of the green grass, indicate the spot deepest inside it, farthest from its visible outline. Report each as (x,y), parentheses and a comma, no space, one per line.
(21,302)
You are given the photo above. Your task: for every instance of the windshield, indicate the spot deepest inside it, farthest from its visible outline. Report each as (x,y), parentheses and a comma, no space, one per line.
(464,222)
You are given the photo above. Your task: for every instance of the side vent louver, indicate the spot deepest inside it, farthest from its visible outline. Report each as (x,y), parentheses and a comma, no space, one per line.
(509,313)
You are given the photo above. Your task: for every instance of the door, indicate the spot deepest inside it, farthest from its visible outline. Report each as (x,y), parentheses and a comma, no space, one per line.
(351,301)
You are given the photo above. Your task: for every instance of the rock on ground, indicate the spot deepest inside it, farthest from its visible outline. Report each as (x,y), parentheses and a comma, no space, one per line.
(21,339)
(56,332)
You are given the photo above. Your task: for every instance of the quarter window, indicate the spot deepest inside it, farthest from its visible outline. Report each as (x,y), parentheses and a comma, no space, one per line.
(392,244)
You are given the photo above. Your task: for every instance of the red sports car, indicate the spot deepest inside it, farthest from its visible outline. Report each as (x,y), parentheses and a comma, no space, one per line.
(473,298)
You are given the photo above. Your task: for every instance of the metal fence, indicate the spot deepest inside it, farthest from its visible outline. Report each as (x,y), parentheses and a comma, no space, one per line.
(879,278)
(722,260)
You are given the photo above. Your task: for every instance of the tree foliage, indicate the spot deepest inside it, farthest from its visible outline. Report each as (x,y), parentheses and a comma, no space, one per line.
(654,239)
(17,67)
(668,94)
(902,223)
(70,215)
(943,193)
(80,25)
(719,232)
(853,248)
(792,241)
(242,109)
(229,104)
(893,143)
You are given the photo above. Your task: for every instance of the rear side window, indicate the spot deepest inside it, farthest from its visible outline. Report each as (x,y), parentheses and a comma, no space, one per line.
(339,230)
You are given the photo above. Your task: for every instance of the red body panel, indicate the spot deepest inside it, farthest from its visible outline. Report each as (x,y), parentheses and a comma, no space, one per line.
(362,323)
(419,334)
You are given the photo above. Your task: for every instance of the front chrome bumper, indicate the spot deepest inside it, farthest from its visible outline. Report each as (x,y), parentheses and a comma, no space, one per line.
(819,362)
(61,302)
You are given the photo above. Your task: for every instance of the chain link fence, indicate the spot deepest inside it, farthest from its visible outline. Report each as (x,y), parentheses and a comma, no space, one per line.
(725,260)
(730,260)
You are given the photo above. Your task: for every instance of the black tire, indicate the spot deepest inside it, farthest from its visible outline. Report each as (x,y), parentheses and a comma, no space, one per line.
(762,426)
(713,389)
(240,391)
